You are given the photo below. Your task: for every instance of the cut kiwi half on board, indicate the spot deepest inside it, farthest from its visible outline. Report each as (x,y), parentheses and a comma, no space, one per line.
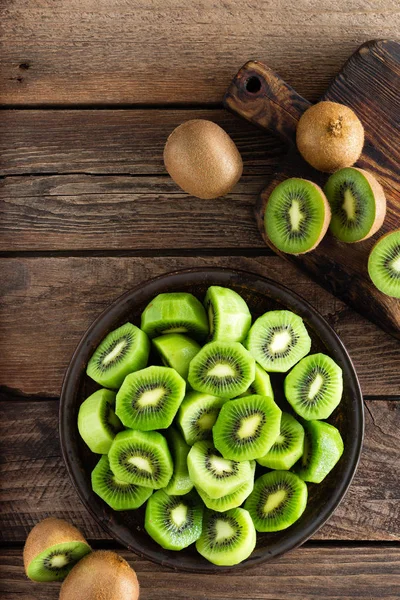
(297,216)
(142,458)
(278,500)
(180,482)
(247,427)
(52,548)
(213,473)
(261,385)
(175,312)
(97,421)
(314,387)
(121,352)
(278,340)
(222,369)
(384,264)
(176,351)
(323,447)
(149,399)
(357,202)
(197,415)
(288,446)
(228,314)
(174,522)
(227,538)
(232,500)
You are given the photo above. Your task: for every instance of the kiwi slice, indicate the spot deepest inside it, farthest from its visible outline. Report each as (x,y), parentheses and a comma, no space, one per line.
(227,538)
(278,340)
(51,550)
(261,385)
(176,351)
(323,447)
(247,427)
(122,351)
(384,264)
(174,522)
(197,415)
(142,458)
(213,473)
(97,422)
(222,369)
(228,314)
(149,399)
(175,312)
(287,448)
(278,500)
(297,216)
(357,202)
(116,493)
(180,482)
(232,500)
(314,387)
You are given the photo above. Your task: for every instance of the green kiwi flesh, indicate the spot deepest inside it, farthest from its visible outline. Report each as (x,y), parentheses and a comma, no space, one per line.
(278,500)
(176,351)
(247,427)
(121,352)
(197,415)
(314,387)
(287,448)
(261,385)
(180,482)
(228,315)
(278,340)
(56,562)
(323,447)
(232,500)
(384,264)
(176,312)
(97,421)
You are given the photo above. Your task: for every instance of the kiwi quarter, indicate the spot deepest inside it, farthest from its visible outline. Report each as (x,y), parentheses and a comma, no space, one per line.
(176,351)
(180,482)
(232,500)
(52,548)
(323,447)
(288,446)
(357,202)
(384,264)
(297,216)
(97,421)
(261,385)
(122,351)
(228,314)
(197,415)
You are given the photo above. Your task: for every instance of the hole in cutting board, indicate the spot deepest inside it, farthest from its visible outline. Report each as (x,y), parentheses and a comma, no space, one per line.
(253,85)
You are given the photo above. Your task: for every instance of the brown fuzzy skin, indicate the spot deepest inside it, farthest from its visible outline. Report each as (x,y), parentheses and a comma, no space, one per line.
(380,203)
(101,575)
(48,533)
(202,159)
(330,136)
(327,218)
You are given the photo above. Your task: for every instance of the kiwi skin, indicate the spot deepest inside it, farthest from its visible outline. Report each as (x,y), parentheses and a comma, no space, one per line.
(101,575)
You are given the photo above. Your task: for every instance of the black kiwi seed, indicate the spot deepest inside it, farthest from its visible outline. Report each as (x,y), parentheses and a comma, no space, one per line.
(218,475)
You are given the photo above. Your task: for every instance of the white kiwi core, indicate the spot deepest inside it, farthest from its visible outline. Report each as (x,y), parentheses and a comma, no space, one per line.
(114,352)
(295,215)
(315,386)
(207,420)
(223,530)
(280,341)
(349,205)
(141,463)
(249,426)
(151,397)
(179,514)
(221,465)
(222,370)
(274,500)
(58,561)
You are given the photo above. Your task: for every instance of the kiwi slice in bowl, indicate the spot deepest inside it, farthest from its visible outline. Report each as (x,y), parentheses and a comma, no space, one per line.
(384,264)
(180,482)
(228,314)
(197,415)
(149,399)
(213,473)
(222,369)
(232,500)
(116,493)
(261,385)
(227,538)
(97,421)
(176,351)
(314,387)
(288,446)
(174,522)
(142,458)
(278,340)
(175,312)
(121,352)
(247,427)
(357,202)
(323,447)
(297,216)
(278,500)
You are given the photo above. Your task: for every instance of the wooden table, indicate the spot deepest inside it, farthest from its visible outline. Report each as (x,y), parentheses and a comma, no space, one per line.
(90,91)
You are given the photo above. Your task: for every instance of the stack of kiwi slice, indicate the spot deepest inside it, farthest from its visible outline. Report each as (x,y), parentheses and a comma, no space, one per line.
(198,437)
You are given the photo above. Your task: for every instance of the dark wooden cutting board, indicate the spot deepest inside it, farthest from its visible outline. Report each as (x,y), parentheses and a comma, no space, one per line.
(370,84)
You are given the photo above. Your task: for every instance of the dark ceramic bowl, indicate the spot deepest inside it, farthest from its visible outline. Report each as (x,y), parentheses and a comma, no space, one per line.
(261,295)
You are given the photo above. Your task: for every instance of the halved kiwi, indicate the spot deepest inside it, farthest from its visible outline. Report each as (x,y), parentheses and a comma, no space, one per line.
(384,264)
(149,399)
(297,216)
(261,385)
(323,447)
(314,387)
(247,427)
(52,548)
(278,500)
(228,314)
(222,369)
(175,312)
(227,538)
(278,340)
(122,351)
(287,448)
(197,415)
(142,458)
(176,351)
(97,421)
(232,500)
(180,482)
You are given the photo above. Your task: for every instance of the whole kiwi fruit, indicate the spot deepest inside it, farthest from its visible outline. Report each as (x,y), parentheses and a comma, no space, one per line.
(202,159)
(330,136)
